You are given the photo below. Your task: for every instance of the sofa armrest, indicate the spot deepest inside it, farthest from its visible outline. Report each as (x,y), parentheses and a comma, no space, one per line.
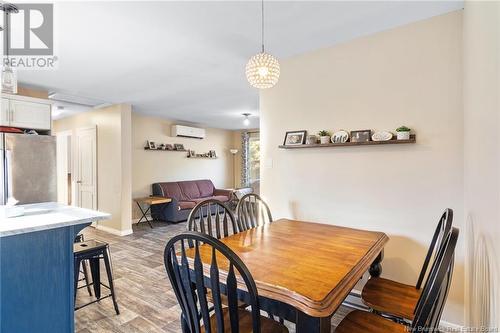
(226,193)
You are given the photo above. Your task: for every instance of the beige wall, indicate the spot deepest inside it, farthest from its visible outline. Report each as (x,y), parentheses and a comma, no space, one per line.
(410,75)
(113,161)
(158,166)
(482,141)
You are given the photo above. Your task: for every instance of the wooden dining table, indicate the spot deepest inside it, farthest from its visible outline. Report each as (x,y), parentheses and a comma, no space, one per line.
(303,270)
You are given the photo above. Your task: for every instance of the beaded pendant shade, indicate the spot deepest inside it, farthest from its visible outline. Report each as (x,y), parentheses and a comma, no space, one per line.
(263,69)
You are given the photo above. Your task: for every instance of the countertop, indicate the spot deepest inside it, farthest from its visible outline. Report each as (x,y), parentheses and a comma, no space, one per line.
(48,215)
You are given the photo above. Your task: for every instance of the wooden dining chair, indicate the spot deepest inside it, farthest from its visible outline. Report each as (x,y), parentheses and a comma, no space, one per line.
(396,300)
(428,312)
(214,218)
(191,282)
(252,211)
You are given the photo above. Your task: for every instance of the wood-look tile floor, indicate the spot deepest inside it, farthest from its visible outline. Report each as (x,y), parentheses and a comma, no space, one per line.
(146,300)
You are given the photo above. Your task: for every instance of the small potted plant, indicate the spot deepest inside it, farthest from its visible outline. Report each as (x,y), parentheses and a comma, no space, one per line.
(324,137)
(403,133)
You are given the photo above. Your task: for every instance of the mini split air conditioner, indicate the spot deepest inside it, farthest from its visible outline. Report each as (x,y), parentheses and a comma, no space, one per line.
(188,132)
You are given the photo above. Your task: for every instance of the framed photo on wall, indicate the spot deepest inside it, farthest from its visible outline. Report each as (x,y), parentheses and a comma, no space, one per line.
(151,145)
(295,138)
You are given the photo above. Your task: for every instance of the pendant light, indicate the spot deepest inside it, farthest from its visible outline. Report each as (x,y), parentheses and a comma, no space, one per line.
(9,77)
(263,69)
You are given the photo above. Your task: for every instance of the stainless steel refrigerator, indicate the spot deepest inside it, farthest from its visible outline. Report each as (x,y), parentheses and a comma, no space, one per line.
(28,168)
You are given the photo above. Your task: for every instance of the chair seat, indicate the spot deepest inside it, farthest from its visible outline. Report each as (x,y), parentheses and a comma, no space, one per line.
(390,297)
(245,320)
(366,322)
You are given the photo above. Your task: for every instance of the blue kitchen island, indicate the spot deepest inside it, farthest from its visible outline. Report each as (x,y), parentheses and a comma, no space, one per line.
(36,267)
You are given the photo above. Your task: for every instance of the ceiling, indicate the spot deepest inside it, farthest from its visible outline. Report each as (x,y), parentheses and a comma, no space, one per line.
(185,60)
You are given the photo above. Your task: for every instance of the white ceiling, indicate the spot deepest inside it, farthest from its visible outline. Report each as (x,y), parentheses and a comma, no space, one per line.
(185,60)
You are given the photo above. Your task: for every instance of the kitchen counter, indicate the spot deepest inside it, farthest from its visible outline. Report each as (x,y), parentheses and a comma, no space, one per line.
(48,215)
(37,267)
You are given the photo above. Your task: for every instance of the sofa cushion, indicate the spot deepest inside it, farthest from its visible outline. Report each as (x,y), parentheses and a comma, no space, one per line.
(206,188)
(173,190)
(217,197)
(189,189)
(186,204)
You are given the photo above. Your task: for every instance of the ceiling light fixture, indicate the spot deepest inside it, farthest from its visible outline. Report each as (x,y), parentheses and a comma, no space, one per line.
(9,77)
(246,121)
(58,111)
(263,69)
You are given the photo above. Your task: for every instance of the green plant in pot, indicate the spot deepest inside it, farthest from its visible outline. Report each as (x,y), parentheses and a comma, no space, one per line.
(324,136)
(403,133)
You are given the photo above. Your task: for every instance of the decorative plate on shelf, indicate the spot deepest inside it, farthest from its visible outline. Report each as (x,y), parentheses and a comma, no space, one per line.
(382,136)
(340,137)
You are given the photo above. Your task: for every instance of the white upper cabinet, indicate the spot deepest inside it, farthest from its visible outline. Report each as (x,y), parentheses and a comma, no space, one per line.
(25,114)
(29,115)
(4,113)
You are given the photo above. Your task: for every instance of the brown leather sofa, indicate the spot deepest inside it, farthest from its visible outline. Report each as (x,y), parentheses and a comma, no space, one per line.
(185,195)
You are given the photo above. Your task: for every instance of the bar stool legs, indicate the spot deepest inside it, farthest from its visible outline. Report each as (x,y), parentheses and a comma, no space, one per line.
(110,280)
(86,276)
(93,251)
(78,239)
(95,271)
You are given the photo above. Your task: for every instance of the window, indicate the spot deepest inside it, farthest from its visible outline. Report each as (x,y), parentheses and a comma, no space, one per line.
(251,160)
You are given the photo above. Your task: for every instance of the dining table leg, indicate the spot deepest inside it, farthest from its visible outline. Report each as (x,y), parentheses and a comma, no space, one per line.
(308,324)
(376,267)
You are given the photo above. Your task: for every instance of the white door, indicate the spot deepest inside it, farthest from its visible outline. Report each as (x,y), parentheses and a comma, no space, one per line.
(85,165)
(4,113)
(30,115)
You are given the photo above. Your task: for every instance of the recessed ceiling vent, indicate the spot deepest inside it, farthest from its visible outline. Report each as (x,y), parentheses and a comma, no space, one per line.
(74,99)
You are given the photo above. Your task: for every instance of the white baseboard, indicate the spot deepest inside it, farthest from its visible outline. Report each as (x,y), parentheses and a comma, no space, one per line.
(113,231)
(445,326)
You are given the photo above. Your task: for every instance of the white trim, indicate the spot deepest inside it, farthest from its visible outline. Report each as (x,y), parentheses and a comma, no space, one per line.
(28,99)
(114,231)
(445,326)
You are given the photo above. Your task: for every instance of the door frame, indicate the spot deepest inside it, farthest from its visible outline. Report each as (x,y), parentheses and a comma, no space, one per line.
(75,156)
(62,178)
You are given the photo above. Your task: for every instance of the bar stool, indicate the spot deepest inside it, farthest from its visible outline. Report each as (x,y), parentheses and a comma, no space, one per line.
(85,270)
(94,251)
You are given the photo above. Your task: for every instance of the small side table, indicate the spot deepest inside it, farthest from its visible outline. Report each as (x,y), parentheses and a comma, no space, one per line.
(149,201)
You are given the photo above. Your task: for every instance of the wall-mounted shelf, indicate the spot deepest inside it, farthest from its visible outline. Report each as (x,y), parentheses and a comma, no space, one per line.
(184,150)
(413,139)
(206,158)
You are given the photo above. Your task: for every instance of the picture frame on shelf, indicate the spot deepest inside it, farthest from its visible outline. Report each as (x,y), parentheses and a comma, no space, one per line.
(178,146)
(168,146)
(361,136)
(212,154)
(151,145)
(295,138)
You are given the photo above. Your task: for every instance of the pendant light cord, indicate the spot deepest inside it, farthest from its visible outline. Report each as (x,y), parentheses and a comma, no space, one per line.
(262,16)
(7,35)
(8,9)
